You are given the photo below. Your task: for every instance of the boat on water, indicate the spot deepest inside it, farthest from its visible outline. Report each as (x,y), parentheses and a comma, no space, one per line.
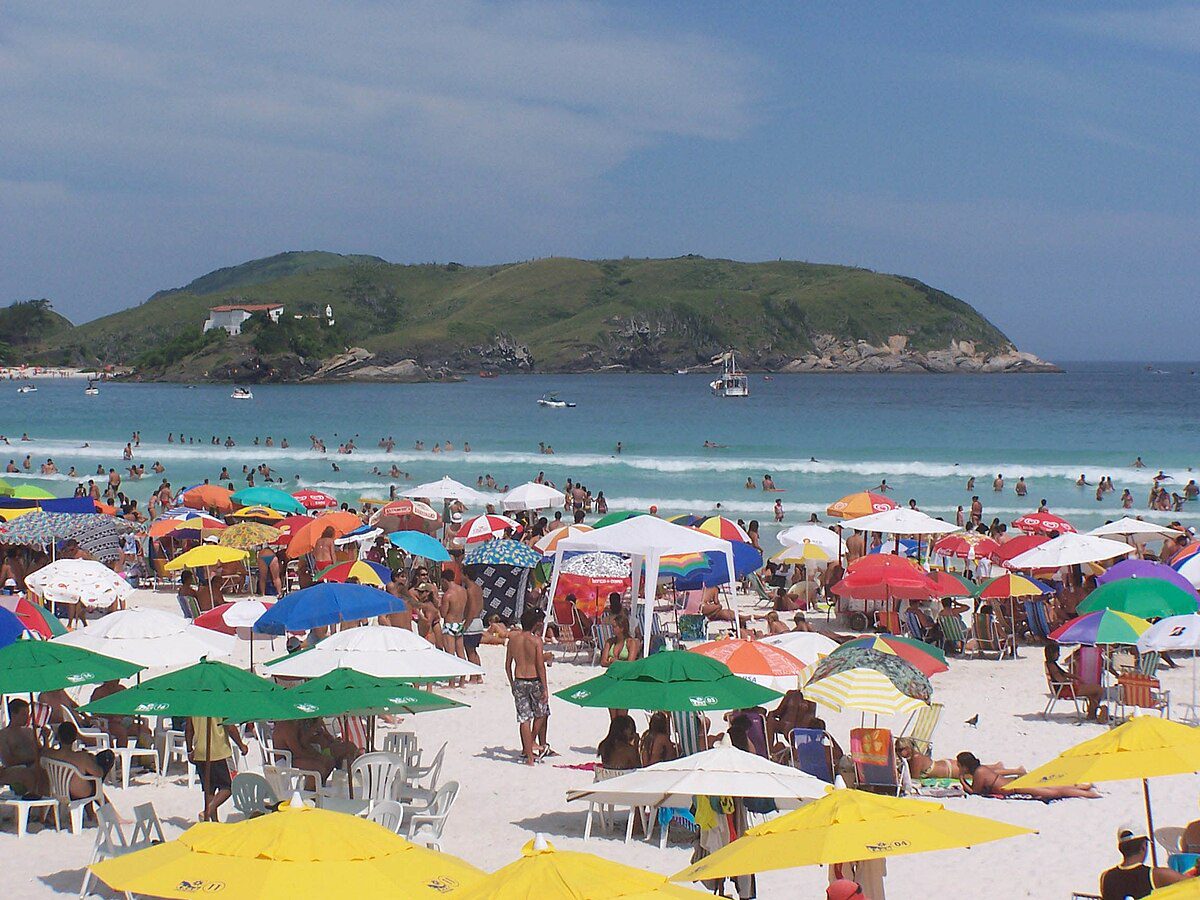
(732,383)
(27,389)
(681,371)
(486,374)
(551,400)
(242,393)
(91,390)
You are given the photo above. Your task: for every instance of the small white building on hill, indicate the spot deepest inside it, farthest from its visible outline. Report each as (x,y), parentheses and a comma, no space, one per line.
(232,316)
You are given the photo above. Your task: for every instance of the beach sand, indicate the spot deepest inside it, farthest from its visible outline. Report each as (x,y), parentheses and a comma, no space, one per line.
(502,803)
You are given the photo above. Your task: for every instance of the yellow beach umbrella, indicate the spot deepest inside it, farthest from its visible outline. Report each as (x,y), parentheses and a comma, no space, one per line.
(863,689)
(8,515)
(248,535)
(550,874)
(257,512)
(1189,889)
(848,826)
(1144,747)
(205,555)
(801,553)
(296,853)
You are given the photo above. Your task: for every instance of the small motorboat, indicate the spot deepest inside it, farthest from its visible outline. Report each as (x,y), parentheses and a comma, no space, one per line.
(486,374)
(242,393)
(27,389)
(91,390)
(681,371)
(551,400)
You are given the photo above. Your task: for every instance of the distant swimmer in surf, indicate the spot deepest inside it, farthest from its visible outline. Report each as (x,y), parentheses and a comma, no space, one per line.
(709,445)
(750,485)
(813,459)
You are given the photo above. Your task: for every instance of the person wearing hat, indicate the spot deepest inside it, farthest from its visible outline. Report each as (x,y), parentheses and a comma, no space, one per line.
(845,889)
(1131,877)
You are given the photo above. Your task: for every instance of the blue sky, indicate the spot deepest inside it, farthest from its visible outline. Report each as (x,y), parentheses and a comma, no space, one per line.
(1037,160)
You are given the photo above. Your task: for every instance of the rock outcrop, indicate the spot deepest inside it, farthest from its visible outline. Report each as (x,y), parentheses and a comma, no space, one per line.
(831,355)
(358,364)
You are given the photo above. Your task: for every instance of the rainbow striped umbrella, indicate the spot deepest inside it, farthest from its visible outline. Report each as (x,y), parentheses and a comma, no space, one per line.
(1105,626)
(719,526)
(365,572)
(681,565)
(925,657)
(1004,586)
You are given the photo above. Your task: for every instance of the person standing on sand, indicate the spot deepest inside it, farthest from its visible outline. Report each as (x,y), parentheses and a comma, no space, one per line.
(525,666)
(453,609)
(473,636)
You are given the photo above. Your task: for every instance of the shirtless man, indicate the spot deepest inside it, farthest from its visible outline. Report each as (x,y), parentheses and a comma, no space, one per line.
(120,728)
(453,609)
(793,711)
(397,588)
(525,666)
(323,549)
(312,746)
(987,781)
(20,753)
(85,762)
(475,627)
(998,483)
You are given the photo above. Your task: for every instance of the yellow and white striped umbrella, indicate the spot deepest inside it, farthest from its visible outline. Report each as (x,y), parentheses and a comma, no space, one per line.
(801,553)
(861,689)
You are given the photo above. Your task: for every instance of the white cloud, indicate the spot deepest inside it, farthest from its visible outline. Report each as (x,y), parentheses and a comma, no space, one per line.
(1167,27)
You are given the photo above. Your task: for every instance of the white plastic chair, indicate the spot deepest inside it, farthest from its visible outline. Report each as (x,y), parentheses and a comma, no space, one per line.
(110,842)
(607,811)
(426,827)
(251,794)
(147,829)
(266,742)
(127,754)
(285,781)
(97,739)
(175,749)
(377,777)
(420,782)
(60,774)
(389,814)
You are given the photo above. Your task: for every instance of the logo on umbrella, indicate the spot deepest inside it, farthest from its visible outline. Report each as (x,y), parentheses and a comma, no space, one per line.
(151,707)
(209,887)
(700,702)
(80,678)
(886,846)
(443,884)
(306,707)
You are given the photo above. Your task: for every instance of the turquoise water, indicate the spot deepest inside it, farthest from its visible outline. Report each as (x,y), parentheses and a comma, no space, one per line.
(924,434)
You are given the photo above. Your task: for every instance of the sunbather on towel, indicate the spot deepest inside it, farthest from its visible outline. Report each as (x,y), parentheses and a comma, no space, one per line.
(922,765)
(986,781)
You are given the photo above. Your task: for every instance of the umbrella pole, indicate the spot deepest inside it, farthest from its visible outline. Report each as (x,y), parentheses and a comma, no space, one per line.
(1149,823)
(208,729)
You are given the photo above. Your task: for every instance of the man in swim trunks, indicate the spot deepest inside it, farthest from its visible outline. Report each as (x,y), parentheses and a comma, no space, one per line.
(453,609)
(525,666)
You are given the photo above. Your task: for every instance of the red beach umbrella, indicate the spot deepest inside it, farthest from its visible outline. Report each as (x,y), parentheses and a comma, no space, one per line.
(1043,523)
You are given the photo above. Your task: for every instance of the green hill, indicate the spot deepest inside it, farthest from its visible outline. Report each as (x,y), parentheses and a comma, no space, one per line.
(551,314)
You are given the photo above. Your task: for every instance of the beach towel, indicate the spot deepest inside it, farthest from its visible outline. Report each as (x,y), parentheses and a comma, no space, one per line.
(503,590)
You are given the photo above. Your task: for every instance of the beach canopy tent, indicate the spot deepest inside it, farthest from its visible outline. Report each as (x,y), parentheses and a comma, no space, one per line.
(646,540)
(901,520)
(723,771)
(149,637)
(1129,526)
(1069,549)
(378,650)
(531,496)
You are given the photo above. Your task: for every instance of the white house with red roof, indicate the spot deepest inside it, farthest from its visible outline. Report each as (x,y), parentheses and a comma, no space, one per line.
(232,316)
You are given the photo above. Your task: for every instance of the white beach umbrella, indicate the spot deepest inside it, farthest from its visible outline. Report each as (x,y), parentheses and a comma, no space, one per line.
(901,520)
(150,637)
(79,581)
(1131,526)
(378,650)
(530,496)
(810,534)
(1069,550)
(1176,633)
(719,772)
(447,489)
(806,646)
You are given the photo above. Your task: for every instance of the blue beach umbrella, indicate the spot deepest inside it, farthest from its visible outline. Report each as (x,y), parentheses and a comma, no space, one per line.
(419,544)
(746,559)
(11,628)
(327,604)
(503,552)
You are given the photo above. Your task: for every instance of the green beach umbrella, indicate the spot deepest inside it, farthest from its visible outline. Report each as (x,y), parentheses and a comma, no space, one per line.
(1147,598)
(270,497)
(207,689)
(31,492)
(28,667)
(6,489)
(614,517)
(672,680)
(343,691)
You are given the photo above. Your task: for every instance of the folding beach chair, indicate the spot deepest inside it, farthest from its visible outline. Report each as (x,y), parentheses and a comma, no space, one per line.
(1148,661)
(1061,690)
(874,756)
(1035,618)
(691,732)
(954,633)
(1138,691)
(916,630)
(764,596)
(990,638)
(602,632)
(812,752)
(887,621)
(921,726)
(572,634)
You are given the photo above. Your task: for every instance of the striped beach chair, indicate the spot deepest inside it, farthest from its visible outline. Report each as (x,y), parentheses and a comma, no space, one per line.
(921,726)
(954,633)
(691,732)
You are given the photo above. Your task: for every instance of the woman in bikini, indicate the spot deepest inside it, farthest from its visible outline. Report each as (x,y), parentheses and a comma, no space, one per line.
(621,647)
(992,781)
(922,765)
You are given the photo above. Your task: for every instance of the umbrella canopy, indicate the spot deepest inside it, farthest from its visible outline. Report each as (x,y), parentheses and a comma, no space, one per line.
(531,496)
(1043,523)
(208,689)
(40,528)
(261,513)
(185,521)
(311,498)
(806,646)
(713,568)
(209,496)
(502,553)
(901,520)
(864,503)
(924,657)
(719,526)
(547,873)
(1069,550)
(668,680)
(1172,633)
(418,543)
(289,525)
(866,690)
(1147,598)
(1018,545)
(327,604)
(33,617)
(613,518)
(1012,585)
(6,489)
(31,492)
(205,555)
(885,577)
(248,536)
(810,534)
(681,565)
(12,628)
(408,515)
(447,489)
(548,542)
(764,664)
(364,572)
(33,666)
(303,539)
(1128,526)
(1146,568)
(375,650)
(342,691)
(1104,626)
(149,637)
(947,584)
(227,618)
(286,855)
(79,581)
(1178,891)
(485,528)
(268,496)
(798,554)
(846,665)
(967,545)
(723,771)
(847,826)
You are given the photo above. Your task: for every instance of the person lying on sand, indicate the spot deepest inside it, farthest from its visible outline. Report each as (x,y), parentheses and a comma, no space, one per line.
(922,765)
(988,781)
(497,631)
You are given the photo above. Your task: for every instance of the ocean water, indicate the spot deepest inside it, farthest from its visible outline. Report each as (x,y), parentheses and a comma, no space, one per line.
(924,434)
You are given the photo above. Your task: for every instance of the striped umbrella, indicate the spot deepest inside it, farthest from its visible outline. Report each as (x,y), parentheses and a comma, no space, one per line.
(1187,563)
(613,518)
(1011,585)
(719,526)
(922,656)
(548,542)
(863,503)
(189,522)
(687,520)
(867,690)
(248,535)
(365,572)
(478,529)
(681,565)
(948,584)
(904,677)
(801,553)
(1105,626)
